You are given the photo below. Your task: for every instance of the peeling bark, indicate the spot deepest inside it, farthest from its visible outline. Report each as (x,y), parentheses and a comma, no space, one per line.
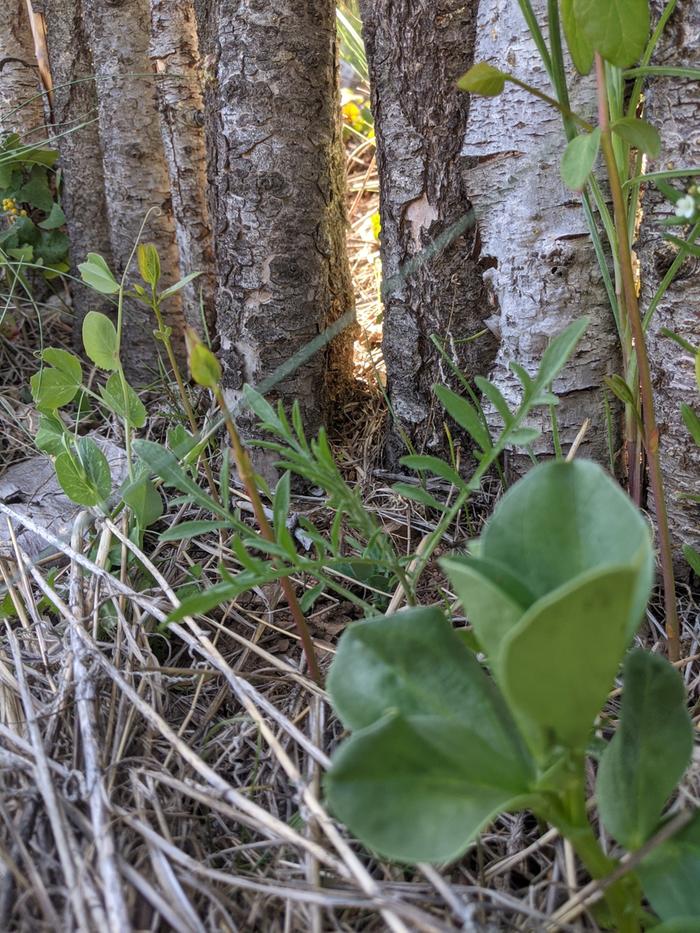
(416,50)
(673,105)
(276,181)
(77,137)
(135,170)
(534,235)
(174,51)
(19,74)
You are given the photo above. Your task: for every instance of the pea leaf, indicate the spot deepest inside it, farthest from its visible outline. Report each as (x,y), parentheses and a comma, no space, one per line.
(132,410)
(669,874)
(618,29)
(53,388)
(579,47)
(639,134)
(51,435)
(101,341)
(84,476)
(483,79)
(36,191)
(420,788)
(579,158)
(144,500)
(648,754)
(96,273)
(693,558)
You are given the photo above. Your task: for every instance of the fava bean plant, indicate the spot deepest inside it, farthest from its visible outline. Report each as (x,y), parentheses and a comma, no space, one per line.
(614,40)
(447,735)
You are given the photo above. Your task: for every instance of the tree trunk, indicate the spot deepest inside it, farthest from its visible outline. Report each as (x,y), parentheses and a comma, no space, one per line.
(21,108)
(134,165)
(276,181)
(673,105)
(174,52)
(534,239)
(416,50)
(77,136)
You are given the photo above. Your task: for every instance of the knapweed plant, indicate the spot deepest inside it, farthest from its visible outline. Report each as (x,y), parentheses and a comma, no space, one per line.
(613,40)
(445,739)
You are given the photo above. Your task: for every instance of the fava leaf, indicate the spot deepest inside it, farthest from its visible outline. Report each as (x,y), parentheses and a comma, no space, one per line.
(648,754)
(101,341)
(420,788)
(639,134)
(558,664)
(579,47)
(484,80)
(579,158)
(618,29)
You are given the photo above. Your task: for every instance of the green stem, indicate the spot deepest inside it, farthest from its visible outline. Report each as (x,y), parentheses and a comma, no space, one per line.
(651,431)
(570,114)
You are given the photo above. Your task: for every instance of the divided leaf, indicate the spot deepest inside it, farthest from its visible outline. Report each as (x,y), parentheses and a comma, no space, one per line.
(649,752)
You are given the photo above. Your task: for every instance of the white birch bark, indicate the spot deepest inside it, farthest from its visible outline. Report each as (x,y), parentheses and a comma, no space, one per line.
(673,105)
(534,235)
(174,51)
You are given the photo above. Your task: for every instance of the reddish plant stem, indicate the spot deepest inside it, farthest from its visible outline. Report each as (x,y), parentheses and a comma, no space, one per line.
(651,431)
(247,476)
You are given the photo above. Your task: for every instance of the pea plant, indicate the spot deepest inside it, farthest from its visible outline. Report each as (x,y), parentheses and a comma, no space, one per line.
(612,39)
(452,727)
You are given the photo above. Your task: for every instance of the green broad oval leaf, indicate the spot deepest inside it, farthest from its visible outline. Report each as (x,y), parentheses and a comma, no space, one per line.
(205,600)
(670,873)
(618,29)
(148,262)
(563,520)
(96,273)
(494,395)
(648,754)
(414,663)
(579,158)
(73,482)
(419,789)
(280,504)
(55,219)
(65,362)
(132,409)
(483,79)
(466,416)
(639,134)
(144,500)
(52,389)
(95,467)
(558,664)
(580,48)
(494,601)
(100,341)
(52,435)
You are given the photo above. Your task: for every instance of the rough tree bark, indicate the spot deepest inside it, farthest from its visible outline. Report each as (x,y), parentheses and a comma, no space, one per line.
(174,51)
(134,165)
(276,181)
(77,136)
(543,272)
(416,50)
(21,110)
(673,105)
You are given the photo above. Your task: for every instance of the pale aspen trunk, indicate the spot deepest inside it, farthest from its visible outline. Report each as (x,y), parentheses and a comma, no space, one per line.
(77,136)
(416,50)
(174,51)
(276,181)
(21,108)
(673,106)
(135,171)
(533,234)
